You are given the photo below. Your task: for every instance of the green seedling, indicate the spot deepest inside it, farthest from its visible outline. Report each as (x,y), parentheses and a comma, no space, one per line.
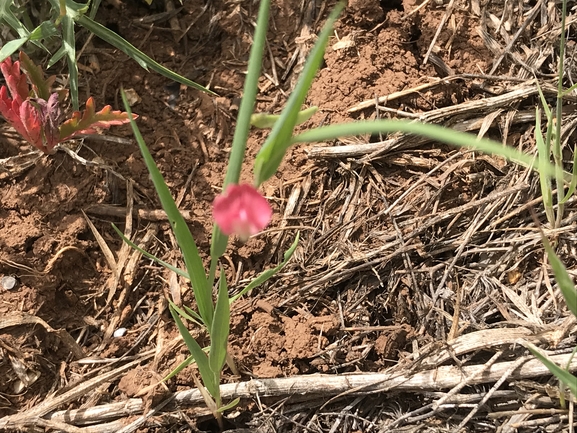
(267,121)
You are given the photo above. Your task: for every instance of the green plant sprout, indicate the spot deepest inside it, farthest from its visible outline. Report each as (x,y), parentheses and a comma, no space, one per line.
(551,143)
(65,14)
(569,292)
(214,316)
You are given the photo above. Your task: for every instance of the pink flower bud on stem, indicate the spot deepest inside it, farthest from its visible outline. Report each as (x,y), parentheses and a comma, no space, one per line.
(241,210)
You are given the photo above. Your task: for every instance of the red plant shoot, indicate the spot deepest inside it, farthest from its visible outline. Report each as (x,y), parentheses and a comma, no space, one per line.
(37,119)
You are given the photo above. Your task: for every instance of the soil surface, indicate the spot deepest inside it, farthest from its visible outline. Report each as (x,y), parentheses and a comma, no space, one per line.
(56,215)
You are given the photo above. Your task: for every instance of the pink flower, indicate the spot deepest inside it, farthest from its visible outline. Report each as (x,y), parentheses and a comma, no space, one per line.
(241,210)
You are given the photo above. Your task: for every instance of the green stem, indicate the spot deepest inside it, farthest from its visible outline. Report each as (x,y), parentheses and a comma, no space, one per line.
(219,240)
(557,152)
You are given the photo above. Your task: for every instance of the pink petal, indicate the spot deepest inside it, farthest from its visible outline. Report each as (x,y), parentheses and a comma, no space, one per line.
(241,210)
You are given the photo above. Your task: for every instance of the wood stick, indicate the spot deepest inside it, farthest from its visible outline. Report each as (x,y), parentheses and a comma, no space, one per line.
(321,385)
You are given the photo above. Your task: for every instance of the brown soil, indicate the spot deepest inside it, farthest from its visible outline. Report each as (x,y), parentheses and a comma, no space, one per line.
(284,328)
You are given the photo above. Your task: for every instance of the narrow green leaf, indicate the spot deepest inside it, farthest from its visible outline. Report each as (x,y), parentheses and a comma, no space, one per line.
(229,405)
(266,120)
(179,368)
(563,375)
(265,275)
(562,277)
(220,328)
(69,45)
(11,47)
(249,96)
(43,31)
(433,132)
(8,17)
(142,59)
(544,178)
(94,8)
(273,150)
(211,403)
(193,314)
(569,90)
(570,360)
(150,256)
(573,183)
(544,103)
(188,314)
(182,366)
(75,9)
(56,57)
(197,353)
(192,259)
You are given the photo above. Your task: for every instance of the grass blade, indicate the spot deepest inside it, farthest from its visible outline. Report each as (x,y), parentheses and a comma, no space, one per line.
(56,57)
(573,183)
(194,266)
(279,140)
(8,17)
(150,256)
(94,8)
(563,375)
(264,276)
(193,314)
(179,368)
(562,277)
(544,179)
(188,315)
(267,121)
(229,405)
(142,59)
(69,46)
(11,20)
(544,104)
(220,329)
(43,31)
(433,132)
(11,47)
(197,353)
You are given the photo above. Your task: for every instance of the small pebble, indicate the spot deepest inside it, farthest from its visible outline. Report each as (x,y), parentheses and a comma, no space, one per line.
(119,332)
(8,282)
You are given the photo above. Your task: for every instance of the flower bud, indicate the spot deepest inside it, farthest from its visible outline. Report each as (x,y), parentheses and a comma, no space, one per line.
(241,210)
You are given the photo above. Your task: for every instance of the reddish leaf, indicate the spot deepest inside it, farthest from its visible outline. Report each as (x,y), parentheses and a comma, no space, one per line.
(15,81)
(38,119)
(33,124)
(87,122)
(11,111)
(49,113)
